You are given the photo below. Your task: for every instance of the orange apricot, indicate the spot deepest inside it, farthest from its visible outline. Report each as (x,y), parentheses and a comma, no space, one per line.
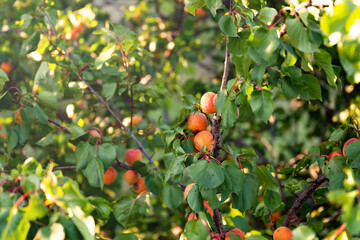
(236,232)
(282,233)
(200,13)
(274,217)
(131,177)
(207,102)
(208,208)
(187,189)
(6,67)
(347,143)
(197,123)
(18,118)
(204,138)
(133,155)
(109,176)
(136,119)
(334,153)
(139,186)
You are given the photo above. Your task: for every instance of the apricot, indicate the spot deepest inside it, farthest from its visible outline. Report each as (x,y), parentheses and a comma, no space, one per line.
(334,153)
(109,176)
(204,138)
(208,208)
(282,233)
(136,119)
(131,177)
(95,133)
(207,102)
(347,143)
(236,232)
(133,155)
(139,186)
(274,217)
(197,123)
(187,189)
(200,13)
(6,67)
(74,148)
(18,118)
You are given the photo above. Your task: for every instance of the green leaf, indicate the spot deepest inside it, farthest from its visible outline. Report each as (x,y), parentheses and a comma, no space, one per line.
(11,220)
(194,199)
(104,56)
(107,154)
(70,228)
(154,182)
(248,194)
(257,237)
(238,45)
(266,179)
(55,231)
(334,172)
(213,5)
(125,236)
(257,74)
(323,59)
(172,196)
(6,101)
(51,13)
(303,232)
(228,112)
(267,14)
(313,86)
(31,44)
(242,64)
(3,79)
(83,155)
(192,5)
(174,165)
(94,173)
(207,175)
(227,25)
(48,99)
(42,73)
(40,114)
(262,104)
(235,174)
(12,141)
(195,230)
(353,153)
(109,90)
(102,207)
(264,43)
(123,210)
(48,139)
(35,210)
(272,200)
(298,36)
(84,223)
(336,135)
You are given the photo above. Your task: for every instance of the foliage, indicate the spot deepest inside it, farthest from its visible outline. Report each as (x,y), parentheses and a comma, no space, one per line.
(286,77)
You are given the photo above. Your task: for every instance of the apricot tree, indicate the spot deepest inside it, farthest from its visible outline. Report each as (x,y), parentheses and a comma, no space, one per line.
(195,119)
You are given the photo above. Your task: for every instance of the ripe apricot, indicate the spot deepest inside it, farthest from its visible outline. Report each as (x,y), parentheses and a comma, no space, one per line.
(133,155)
(347,143)
(200,13)
(18,118)
(274,217)
(136,119)
(204,138)
(6,67)
(187,189)
(207,102)
(334,153)
(95,133)
(208,208)
(236,232)
(282,233)
(109,176)
(131,177)
(139,186)
(197,122)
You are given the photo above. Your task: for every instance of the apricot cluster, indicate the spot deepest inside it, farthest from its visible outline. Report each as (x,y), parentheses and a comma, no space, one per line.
(197,123)
(131,176)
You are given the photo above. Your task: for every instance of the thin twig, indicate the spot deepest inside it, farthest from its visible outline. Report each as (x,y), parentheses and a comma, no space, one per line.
(303,197)
(226,67)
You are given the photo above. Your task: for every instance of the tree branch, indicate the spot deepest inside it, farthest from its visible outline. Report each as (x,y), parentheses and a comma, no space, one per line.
(106,105)
(303,197)
(226,67)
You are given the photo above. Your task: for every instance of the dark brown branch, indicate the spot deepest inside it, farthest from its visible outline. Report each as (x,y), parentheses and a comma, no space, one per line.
(303,197)
(64,168)
(59,125)
(218,223)
(216,131)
